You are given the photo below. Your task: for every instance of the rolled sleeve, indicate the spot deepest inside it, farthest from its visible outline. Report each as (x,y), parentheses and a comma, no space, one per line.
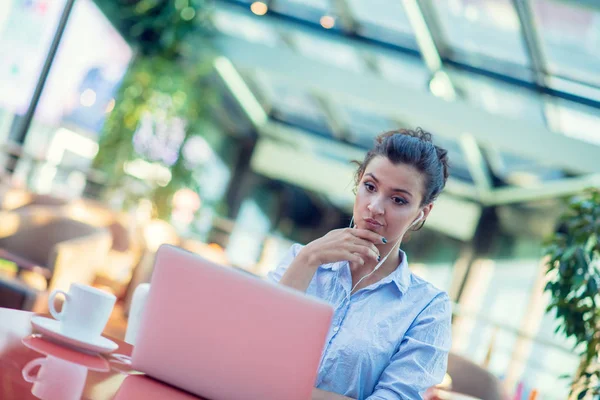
(422,357)
(276,274)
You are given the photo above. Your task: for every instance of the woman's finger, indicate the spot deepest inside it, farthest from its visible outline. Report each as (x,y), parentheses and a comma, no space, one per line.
(366,234)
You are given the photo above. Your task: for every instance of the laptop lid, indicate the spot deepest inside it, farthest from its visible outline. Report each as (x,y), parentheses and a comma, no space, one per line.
(226,335)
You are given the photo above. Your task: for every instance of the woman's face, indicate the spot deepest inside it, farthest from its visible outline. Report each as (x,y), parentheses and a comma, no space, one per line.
(388,198)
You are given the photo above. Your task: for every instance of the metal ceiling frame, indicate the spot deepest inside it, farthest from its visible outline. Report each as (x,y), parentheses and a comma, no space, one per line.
(426,29)
(469,126)
(398,102)
(306,142)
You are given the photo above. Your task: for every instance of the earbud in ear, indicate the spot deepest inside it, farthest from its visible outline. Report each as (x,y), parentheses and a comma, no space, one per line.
(416,221)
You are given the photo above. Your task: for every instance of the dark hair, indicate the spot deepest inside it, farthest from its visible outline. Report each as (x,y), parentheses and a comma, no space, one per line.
(415,148)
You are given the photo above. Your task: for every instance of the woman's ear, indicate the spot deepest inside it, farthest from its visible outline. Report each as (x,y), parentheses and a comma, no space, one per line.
(427,210)
(420,221)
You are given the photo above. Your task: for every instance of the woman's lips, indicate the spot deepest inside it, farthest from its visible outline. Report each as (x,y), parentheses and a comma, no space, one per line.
(372,224)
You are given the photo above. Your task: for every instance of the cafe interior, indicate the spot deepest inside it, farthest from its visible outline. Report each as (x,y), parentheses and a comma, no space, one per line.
(228,128)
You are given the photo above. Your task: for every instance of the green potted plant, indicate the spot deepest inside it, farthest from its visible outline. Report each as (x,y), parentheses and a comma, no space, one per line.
(164,99)
(574,284)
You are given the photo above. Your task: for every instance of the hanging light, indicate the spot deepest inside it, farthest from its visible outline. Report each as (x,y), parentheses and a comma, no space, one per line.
(259,8)
(327,21)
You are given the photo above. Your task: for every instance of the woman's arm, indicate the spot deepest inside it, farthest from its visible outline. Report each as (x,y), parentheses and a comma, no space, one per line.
(354,245)
(299,273)
(422,357)
(319,394)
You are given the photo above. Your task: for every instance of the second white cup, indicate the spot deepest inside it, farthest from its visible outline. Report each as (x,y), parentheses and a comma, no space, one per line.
(56,379)
(85,311)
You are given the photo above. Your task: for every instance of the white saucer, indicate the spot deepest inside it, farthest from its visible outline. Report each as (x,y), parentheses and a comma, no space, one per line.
(51,328)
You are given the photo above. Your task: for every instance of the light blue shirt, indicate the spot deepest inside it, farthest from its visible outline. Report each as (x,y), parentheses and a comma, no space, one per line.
(390,340)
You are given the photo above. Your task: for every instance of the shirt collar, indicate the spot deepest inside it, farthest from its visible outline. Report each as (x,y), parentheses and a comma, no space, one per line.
(400,276)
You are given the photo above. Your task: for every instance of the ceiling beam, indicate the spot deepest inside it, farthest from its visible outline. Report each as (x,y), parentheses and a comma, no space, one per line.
(328,152)
(440,84)
(419,108)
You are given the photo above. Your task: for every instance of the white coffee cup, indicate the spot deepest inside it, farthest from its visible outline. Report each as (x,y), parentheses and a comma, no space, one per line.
(56,379)
(85,312)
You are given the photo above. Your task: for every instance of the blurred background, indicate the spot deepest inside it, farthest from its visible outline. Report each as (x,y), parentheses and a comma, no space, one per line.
(228,127)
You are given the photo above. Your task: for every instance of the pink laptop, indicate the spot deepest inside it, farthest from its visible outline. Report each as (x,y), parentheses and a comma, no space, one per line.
(226,335)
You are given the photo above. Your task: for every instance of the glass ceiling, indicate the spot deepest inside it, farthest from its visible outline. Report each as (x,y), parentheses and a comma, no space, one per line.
(383,20)
(552,79)
(479,31)
(570,39)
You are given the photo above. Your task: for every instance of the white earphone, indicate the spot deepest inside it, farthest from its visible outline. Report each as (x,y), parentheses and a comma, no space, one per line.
(416,221)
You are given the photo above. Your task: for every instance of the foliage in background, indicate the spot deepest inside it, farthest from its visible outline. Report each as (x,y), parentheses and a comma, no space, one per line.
(166,82)
(574,283)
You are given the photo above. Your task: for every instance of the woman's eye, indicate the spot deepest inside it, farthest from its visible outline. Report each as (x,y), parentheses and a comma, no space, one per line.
(369,187)
(399,200)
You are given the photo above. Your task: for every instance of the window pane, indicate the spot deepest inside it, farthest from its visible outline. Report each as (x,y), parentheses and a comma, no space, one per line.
(404,69)
(571,39)
(310,10)
(322,49)
(364,126)
(498,97)
(492,324)
(383,20)
(519,171)
(575,120)
(26,31)
(459,167)
(439,275)
(293,106)
(550,357)
(476,30)
(77,97)
(245,27)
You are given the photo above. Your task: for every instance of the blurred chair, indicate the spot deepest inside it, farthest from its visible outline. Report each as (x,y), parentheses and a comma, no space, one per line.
(12,198)
(17,295)
(51,250)
(471,379)
(126,246)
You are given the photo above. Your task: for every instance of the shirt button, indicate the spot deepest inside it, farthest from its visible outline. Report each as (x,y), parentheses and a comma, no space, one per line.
(337,328)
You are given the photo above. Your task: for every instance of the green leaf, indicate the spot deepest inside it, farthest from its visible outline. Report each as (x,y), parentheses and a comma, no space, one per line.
(592,286)
(568,254)
(564,266)
(591,243)
(582,394)
(558,328)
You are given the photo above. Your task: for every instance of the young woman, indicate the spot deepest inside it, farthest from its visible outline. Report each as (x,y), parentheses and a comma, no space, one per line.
(390,333)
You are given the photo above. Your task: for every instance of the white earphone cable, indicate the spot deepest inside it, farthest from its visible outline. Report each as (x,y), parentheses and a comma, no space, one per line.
(380,263)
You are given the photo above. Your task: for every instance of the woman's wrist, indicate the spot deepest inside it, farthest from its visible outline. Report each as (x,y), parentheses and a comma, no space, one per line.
(300,272)
(307,259)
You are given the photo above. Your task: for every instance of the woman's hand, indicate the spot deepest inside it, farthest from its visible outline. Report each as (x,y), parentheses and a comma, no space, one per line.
(353,245)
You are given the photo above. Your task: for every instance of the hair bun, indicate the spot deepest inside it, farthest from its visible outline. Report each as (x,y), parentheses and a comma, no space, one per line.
(417,133)
(443,157)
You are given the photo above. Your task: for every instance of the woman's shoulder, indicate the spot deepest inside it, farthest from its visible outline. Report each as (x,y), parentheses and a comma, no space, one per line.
(427,290)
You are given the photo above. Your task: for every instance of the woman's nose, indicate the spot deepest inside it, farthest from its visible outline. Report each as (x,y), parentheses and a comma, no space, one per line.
(375,206)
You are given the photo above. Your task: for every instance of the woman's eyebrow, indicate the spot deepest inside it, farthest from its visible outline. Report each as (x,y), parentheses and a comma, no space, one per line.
(393,190)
